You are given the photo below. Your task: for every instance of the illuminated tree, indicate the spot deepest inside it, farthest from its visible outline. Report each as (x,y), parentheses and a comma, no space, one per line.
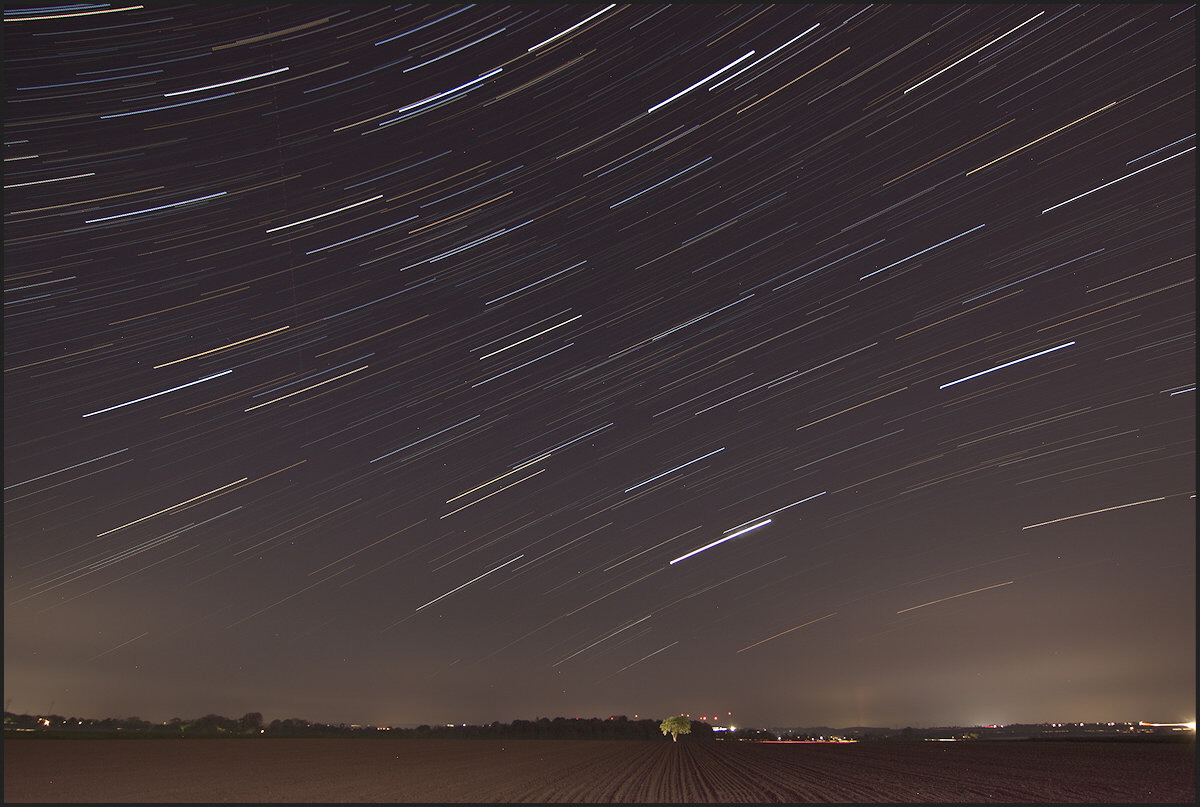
(675,725)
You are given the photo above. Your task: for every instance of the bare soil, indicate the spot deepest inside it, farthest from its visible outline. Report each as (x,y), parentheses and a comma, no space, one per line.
(524,771)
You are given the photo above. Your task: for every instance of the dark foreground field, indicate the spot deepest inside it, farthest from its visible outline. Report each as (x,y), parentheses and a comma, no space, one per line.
(386,770)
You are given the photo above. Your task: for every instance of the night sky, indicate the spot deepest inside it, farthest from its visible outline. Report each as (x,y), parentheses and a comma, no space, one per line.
(795,365)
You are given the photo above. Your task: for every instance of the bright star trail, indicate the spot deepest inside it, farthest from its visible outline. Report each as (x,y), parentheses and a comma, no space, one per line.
(402,364)
(730,537)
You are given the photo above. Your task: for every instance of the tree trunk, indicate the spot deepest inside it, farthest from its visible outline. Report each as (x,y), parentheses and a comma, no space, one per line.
(674,737)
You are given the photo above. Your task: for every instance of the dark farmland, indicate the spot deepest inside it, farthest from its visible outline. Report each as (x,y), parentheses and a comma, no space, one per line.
(334,770)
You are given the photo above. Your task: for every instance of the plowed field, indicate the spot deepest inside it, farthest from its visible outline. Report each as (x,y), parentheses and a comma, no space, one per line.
(385,770)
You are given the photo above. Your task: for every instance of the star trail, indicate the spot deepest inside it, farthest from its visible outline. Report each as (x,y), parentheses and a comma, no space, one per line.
(403,364)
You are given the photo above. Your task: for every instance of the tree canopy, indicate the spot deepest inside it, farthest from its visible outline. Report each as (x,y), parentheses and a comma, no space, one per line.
(676,725)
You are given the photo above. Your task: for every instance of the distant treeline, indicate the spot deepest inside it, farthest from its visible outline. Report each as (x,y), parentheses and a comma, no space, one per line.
(252,725)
